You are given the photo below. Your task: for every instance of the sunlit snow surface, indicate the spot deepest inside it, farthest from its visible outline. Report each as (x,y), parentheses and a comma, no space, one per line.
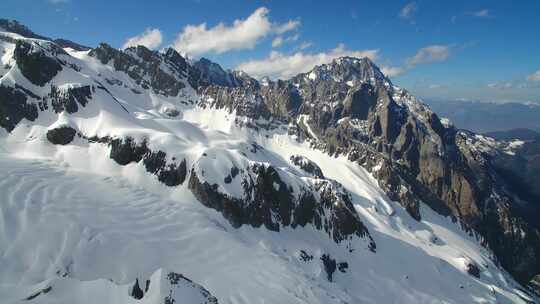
(73,219)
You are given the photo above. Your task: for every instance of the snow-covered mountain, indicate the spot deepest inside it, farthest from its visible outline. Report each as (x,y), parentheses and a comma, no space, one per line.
(134,176)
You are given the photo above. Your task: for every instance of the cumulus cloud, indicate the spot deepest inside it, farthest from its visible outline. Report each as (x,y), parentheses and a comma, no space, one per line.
(150,38)
(534,77)
(279,65)
(430,54)
(241,34)
(408,10)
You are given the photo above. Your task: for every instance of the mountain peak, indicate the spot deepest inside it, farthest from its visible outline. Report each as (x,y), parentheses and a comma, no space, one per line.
(351,70)
(14,26)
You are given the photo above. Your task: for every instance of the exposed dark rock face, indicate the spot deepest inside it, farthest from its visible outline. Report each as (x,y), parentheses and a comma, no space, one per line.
(34,62)
(329,266)
(14,107)
(171,112)
(214,74)
(62,135)
(275,101)
(172,174)
(359,103)
(38,293)
(520,169)
(304,256)
(172,288)
(343,266)
(473,270)
(176,280)
(267,200)
(136,291)
(125,151)
(307,165)
(144,66)
(534,285)
(234,172)
(69,99)
(245,100)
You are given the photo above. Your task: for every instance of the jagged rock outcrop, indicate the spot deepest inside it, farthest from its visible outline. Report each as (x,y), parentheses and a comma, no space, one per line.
(307,165)
(61,135)
(127,150)
(213,74)
(14,107)
(177,294)
(534,284)
(136,291)
(273,198)
(35,63)
(144,66)
(69,98)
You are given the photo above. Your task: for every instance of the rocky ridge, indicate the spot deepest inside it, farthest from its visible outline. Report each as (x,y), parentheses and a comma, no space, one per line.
(348,107)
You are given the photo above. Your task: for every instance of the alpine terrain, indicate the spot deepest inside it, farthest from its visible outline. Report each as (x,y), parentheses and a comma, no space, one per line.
(139,176)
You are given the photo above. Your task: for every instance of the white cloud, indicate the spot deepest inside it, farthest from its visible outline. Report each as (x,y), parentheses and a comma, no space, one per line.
(425,55)
(430,54)
(534,77)
(284,66)
(278,41)
(392,71)
(241,34)
(58,1)
(286,27)
(150,38)
(482,13)
(408,10)
(304,45)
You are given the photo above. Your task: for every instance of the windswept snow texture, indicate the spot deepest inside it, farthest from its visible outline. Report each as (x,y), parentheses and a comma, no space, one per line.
(76,227)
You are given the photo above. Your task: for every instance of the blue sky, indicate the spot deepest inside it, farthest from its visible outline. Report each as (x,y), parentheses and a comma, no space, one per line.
(485,50)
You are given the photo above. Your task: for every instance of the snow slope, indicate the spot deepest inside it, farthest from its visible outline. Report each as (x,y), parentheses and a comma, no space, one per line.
(73,219)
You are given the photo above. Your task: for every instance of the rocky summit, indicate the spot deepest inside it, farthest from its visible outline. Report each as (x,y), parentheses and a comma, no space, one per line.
(334,186)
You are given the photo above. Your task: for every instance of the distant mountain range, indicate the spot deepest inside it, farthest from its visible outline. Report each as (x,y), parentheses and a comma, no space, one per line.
(485,117)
